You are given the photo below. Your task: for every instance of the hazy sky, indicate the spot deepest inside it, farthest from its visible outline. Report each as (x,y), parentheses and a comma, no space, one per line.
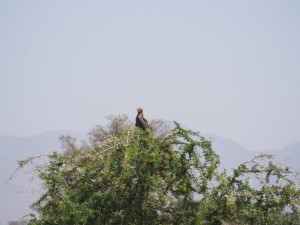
(225,67)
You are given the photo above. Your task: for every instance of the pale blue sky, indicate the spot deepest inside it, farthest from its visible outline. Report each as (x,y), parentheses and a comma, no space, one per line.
(225,67)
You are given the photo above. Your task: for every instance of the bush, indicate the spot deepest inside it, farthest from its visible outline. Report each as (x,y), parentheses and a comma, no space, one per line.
(137,178)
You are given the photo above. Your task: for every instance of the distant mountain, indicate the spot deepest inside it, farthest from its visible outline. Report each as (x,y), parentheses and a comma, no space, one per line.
(289,155)
(231,153)
(15,200)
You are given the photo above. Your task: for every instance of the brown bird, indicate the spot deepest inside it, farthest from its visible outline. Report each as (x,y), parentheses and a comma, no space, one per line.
(140,121)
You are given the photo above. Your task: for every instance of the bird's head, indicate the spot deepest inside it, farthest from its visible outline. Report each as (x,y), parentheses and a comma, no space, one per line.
(139,110)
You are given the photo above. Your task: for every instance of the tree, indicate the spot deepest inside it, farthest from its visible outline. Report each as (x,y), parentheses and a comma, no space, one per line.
(132,176)
(116,126)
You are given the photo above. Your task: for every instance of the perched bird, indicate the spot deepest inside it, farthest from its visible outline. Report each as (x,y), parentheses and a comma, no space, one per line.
(140,121)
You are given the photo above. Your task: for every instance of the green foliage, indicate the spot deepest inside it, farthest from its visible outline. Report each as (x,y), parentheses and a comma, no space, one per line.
(135,177)
(259,192)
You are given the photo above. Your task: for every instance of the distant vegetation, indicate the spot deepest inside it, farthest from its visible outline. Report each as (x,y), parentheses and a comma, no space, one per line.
(163,175)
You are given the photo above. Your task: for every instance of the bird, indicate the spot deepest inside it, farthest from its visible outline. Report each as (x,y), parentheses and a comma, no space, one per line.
(140,121)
